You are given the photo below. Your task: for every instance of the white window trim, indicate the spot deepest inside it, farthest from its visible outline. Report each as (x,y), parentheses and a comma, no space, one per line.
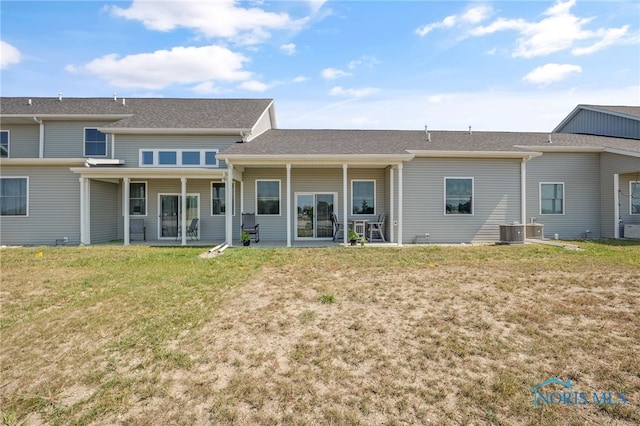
(564,198)
(473,197)
(178,152)
(233,199)
(8,132)
(279,196)
(84,143)
(28,186)
(630,194)
(375,201)
(146,198)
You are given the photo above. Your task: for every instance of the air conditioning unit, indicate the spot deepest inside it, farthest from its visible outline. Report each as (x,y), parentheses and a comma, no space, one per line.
(512,233)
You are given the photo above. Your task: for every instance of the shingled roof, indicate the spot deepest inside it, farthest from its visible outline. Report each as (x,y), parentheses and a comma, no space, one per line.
(144,113)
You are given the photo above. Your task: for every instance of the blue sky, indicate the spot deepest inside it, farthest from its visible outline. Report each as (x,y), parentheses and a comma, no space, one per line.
(501,65)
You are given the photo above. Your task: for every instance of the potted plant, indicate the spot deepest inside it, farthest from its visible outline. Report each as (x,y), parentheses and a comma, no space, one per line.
(353,237)
(245,238)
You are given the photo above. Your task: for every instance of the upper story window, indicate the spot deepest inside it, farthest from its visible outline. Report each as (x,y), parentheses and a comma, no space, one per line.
(634,197)
(4,144)
(95,143)
(178,158)
(14,196)
(551,198)
(363,197)
(458,195)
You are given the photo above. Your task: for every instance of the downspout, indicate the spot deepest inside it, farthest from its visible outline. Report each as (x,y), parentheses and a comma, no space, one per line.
(41,146)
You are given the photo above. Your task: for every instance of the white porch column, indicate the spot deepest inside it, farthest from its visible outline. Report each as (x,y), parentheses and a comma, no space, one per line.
(288,205)
(228,195)
(183,212)
(345,217)
(125,209)
(85,211)
(616,206)
(400,204)
(391,206)
(523,191)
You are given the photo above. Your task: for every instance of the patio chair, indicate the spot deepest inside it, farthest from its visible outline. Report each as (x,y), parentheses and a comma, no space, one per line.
(377,227)
(136,226)
(337,226)
(250,226)
(192,230)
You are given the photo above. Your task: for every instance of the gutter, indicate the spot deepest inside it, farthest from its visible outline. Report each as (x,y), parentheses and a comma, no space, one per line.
(338,159)
(173,131)
(474,154)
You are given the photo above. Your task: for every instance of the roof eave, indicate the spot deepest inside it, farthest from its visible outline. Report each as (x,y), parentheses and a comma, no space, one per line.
(474,154)
(622,152)
(172,131)
(150,172)
(42,161)
(258,159)
(560,148)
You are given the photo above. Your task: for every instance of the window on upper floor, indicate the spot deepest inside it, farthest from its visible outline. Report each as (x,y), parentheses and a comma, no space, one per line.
(551,197)
(14,196)
(268,197)
(458,195)
(634,197)
(4,144)
(138,198)
(363,197)
(219,200)
(95,143)
(178,158)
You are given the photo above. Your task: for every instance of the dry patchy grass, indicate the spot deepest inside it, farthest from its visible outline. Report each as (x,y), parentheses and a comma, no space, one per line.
(413,335)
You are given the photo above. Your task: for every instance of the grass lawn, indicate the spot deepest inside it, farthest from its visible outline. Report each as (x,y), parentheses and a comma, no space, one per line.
(341,335)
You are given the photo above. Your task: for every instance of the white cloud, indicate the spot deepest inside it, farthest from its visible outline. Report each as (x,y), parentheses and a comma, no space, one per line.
(180,65)
(365,61)
(206,88)
(289,48)
(551,73)
(353,93)
(8,55)
(220,18)
(333,73)
(473,15)
(316,5)
(558,30)
(254,86)
(300,79)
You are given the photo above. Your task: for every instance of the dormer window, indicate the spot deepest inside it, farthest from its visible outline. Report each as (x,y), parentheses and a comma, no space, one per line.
(95,143)
(178,158)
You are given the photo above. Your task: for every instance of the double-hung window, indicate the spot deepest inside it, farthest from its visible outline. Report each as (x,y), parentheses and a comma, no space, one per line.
(268,197)
(95,143)
(219,200)
(458,195)
(551,198)
(14,196)
(634,197)
(363,197)
(4,144)
(138,198)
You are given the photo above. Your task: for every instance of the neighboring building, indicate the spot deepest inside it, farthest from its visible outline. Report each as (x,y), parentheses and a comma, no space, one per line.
(81,168)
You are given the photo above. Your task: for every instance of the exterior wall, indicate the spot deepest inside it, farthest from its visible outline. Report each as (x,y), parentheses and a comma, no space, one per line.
(127,147)
(496,199)
(629,169)
(305,180)
(54,208)
(104,211)
(65,139)
(580,174)
(263,124)
(598,123)
(24,141)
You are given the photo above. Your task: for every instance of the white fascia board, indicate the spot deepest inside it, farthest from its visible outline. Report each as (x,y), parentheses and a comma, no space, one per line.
(170,131)
(42,161)
(103,162)
(555,148)
(475,154)
(622,152)
(68,117)
(377,159)
(151,172)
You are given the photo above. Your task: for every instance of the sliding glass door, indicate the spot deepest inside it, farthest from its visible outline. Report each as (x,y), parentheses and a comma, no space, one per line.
(170,208)
(313,215)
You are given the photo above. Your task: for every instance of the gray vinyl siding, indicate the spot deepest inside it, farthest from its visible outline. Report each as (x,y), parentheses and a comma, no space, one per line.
(496,199)
(104,211)
(54,208)
(24,141)
(127,147)
(306,180)
(580,174)
(598,123)
(65,139)
(629,169)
